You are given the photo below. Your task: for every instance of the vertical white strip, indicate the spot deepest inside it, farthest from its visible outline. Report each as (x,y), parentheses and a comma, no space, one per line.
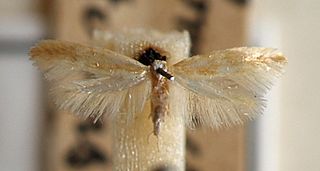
(300,133)
(298,96)
(19,119)
(265,31)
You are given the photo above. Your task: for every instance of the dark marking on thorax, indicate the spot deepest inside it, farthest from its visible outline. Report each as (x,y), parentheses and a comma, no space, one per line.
(149,55)
(195,24)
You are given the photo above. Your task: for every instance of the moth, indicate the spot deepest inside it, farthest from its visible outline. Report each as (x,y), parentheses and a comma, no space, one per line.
(224,87)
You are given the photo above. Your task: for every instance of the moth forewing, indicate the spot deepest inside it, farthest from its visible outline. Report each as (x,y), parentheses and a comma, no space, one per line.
(86,80)
(227,87)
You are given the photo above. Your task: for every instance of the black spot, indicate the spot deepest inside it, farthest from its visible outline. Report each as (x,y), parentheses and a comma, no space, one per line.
(85,154)
(164,168)
(94,12)
(240,2)
(191,168)
(198,5)
(93,17)
(118,1)
(149,55)
(194,25)
(86,126)
(192,147)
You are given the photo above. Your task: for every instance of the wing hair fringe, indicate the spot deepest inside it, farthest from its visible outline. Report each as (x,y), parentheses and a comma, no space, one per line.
(257,77)
(218,113)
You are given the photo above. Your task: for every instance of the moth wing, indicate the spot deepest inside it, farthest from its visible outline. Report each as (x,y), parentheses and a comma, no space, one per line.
(227,87)
(91,81)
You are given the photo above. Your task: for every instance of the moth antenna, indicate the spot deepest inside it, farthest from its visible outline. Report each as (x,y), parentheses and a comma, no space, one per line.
(165,74)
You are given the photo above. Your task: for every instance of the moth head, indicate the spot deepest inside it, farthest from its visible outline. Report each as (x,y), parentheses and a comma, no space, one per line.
(156,59)
(149,55)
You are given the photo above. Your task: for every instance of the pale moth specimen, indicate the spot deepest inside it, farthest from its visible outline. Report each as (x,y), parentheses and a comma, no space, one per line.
(225,87)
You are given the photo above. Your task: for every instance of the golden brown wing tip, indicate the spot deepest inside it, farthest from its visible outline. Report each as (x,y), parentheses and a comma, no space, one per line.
(51,49)
(37,48)
(275,55)
(279,58)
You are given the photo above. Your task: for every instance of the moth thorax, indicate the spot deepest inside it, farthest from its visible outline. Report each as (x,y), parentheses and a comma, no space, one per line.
(159,64)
